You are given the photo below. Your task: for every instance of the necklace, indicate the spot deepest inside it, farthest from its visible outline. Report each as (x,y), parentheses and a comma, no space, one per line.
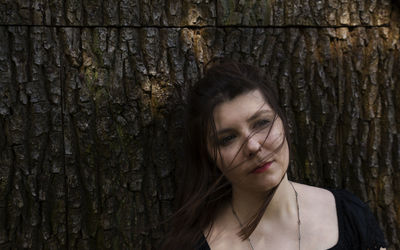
(298,218)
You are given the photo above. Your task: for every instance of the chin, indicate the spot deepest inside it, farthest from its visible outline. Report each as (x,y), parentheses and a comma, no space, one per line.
(272,182)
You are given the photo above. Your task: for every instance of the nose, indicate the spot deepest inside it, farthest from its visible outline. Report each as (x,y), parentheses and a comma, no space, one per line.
(252,146)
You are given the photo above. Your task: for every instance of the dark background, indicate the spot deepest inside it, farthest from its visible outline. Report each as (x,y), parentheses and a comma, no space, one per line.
(92,96)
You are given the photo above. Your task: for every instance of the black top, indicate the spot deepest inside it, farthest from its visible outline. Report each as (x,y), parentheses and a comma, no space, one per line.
(358,228)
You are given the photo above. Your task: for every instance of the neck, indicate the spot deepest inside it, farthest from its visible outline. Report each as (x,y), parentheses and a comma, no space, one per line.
(282,206)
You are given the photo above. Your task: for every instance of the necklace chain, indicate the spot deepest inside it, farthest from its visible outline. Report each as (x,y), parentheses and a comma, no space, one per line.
(241,225)
(298,219)
(298,215)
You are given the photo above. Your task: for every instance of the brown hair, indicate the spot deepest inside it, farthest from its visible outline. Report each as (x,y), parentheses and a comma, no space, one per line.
(202,188)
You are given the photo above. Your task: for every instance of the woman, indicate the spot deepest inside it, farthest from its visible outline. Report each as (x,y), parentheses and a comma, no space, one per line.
(234,190)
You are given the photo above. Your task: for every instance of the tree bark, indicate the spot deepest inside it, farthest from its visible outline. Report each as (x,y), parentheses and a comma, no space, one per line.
(92,95)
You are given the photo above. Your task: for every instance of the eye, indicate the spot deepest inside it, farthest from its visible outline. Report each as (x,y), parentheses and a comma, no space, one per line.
(226,140)
(261,123)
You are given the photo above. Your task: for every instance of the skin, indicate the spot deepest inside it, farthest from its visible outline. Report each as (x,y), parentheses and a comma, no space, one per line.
(248,138)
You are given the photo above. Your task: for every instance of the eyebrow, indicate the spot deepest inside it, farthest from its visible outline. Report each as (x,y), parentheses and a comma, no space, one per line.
(252,118)
(258,114)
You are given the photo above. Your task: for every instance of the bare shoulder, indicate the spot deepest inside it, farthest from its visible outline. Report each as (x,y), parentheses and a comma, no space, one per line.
(316,205)
(318,196)
(317,201)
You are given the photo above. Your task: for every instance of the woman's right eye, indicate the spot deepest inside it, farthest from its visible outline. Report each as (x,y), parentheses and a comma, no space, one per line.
(226,140)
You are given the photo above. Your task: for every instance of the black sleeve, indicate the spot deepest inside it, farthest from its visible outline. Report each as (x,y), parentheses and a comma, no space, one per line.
(358,227)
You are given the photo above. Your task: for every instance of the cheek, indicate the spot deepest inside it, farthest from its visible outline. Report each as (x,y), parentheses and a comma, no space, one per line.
(276,136)
(218,156)
(285,150)
(223,159)
(227,158)
(272,140)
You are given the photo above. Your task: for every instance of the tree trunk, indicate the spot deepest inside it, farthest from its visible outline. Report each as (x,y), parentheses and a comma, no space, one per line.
(92,95)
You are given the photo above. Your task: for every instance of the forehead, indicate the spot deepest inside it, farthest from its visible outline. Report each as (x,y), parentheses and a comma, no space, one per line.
(239,109)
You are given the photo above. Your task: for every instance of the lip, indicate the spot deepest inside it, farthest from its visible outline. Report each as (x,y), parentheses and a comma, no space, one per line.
(264,167)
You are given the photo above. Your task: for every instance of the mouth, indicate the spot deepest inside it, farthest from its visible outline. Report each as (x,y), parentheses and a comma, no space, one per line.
(262,168)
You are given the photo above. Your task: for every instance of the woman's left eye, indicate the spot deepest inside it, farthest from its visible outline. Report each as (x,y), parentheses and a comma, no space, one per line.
(261,123)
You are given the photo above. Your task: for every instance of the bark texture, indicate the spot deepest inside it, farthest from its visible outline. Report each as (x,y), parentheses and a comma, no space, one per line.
(92,95)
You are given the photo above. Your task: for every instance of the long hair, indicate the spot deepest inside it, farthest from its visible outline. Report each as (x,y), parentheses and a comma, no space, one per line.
(202,188)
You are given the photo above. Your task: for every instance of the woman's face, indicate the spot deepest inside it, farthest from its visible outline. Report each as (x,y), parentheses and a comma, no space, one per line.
(253,151)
